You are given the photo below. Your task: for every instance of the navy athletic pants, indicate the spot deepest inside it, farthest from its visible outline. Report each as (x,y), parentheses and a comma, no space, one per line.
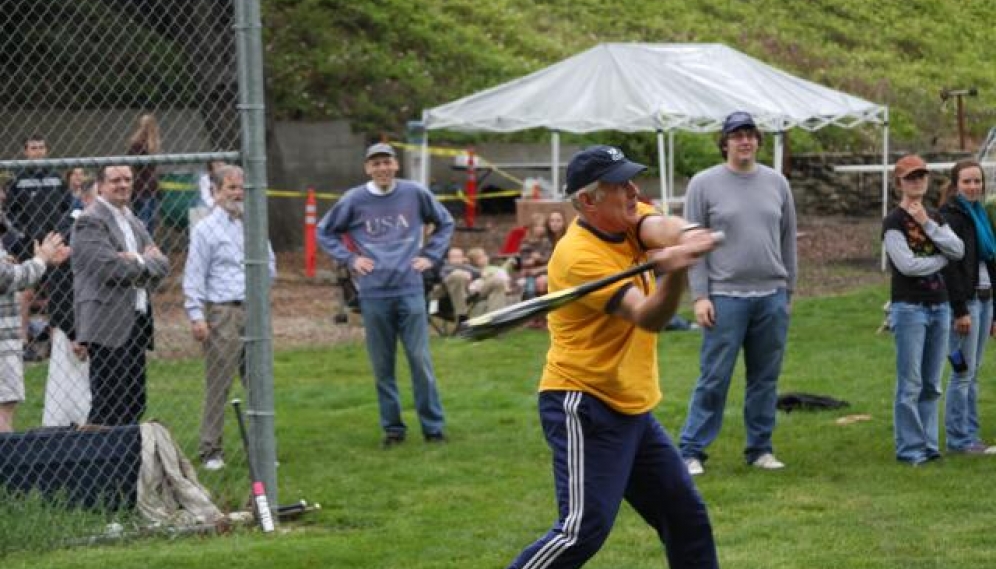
(601,456)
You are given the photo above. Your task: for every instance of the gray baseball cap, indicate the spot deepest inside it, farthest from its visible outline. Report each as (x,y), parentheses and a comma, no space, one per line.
(380,148)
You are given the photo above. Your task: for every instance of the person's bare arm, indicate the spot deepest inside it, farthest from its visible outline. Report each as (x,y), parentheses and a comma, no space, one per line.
(654,311)
(658,231)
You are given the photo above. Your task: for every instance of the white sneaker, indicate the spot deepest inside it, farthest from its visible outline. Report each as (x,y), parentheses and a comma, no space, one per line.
(694,466)
(214,464)
(767,461)
(990,450)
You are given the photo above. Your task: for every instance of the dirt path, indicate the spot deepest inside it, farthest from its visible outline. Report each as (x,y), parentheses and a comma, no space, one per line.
(835,255)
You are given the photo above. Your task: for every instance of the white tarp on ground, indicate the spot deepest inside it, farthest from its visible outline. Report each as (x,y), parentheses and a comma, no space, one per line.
(633,87)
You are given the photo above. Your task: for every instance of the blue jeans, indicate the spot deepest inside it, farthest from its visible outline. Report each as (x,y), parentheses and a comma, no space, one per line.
(760,326)
(386,320)
(921,332)
(961,414)
(600,458)
(145,210)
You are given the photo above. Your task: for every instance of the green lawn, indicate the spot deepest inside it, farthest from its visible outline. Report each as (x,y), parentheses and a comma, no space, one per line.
(843,501)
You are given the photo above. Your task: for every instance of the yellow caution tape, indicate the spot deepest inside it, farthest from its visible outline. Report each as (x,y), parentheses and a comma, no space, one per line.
(454,152)
(434,150)
(459,196)
(174,186)
(186,187)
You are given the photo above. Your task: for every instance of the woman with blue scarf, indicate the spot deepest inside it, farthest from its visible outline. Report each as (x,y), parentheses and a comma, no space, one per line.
(970,285)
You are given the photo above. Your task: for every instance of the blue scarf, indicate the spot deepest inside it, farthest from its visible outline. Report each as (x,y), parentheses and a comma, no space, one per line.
(983,229)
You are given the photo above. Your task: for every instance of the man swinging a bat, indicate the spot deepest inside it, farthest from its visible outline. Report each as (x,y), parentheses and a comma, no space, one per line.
(600,382)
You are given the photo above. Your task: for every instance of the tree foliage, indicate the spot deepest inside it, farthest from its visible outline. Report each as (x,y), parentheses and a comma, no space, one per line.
(379,63)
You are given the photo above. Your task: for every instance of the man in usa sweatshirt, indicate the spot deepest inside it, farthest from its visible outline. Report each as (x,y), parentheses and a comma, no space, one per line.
(378,231)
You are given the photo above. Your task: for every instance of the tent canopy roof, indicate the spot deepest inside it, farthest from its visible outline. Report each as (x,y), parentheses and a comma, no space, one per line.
(634,87)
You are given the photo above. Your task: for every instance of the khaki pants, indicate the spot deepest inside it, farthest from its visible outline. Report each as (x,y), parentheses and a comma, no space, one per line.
(223,359)
(458,287)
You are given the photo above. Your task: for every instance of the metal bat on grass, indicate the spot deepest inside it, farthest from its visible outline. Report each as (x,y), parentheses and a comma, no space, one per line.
(260,503)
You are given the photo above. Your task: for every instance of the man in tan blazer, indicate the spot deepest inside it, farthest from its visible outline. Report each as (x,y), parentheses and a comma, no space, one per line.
(116,265)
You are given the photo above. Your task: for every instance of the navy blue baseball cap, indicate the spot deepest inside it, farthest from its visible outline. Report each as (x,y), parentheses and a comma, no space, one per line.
(600,164)
(738,120)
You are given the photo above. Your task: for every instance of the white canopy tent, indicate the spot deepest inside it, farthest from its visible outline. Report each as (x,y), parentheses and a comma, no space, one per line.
(639,87)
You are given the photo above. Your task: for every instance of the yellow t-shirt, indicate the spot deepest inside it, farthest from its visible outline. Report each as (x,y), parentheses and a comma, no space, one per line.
(590,350)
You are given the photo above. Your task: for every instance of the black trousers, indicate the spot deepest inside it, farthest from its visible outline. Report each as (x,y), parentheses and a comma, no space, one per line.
(117,378)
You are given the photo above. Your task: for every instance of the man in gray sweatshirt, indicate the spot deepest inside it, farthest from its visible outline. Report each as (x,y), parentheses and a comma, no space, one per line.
(741,293)
(378,230)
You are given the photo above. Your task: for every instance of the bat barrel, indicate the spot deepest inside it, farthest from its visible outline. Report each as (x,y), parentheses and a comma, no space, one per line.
(237,407)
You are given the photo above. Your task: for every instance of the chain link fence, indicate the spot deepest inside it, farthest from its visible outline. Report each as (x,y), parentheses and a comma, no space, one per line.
(113,115)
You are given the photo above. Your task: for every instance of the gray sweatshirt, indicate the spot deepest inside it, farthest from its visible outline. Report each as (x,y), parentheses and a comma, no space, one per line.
(756,212)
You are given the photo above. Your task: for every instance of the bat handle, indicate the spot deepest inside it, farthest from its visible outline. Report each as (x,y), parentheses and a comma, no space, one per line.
(262,507)
(260,502)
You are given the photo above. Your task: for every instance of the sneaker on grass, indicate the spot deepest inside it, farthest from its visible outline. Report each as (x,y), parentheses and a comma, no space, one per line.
(974,448)
(694,466)
(767,461)
(392,440)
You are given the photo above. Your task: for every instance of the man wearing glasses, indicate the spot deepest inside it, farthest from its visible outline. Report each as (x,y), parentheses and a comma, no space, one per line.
(741,292)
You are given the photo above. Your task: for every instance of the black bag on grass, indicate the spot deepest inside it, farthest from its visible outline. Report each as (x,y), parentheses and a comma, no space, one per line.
(789,402)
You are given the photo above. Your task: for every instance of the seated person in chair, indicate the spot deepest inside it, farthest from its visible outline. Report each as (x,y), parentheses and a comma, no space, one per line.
(494,285)
(534,253)
(468,278)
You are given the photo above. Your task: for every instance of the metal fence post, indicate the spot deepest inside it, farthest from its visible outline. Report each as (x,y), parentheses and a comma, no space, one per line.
(174,104)
(258,340)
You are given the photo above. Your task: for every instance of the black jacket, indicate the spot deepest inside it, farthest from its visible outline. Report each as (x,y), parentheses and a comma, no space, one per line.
(37,201)
(59,283)
(962,277)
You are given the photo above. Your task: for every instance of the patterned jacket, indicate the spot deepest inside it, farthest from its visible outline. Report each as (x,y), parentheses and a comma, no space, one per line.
(14,277)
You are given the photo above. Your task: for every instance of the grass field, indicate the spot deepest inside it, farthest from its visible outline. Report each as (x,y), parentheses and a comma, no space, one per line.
(843,501)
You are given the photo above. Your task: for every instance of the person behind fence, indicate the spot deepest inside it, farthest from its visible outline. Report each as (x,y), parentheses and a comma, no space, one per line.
(16,276)
(600,383)
(970,294)
(741,292)
(67,388)
(145,141)
(214,290)
(37,198)
(37,201)
(918,245)
(116,266)
(205,190)
(384,219)
(76,183)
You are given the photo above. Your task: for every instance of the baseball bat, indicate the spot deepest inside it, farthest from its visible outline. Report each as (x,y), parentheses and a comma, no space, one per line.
(498,321)
(295,510)
(260,504)
(495,322)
